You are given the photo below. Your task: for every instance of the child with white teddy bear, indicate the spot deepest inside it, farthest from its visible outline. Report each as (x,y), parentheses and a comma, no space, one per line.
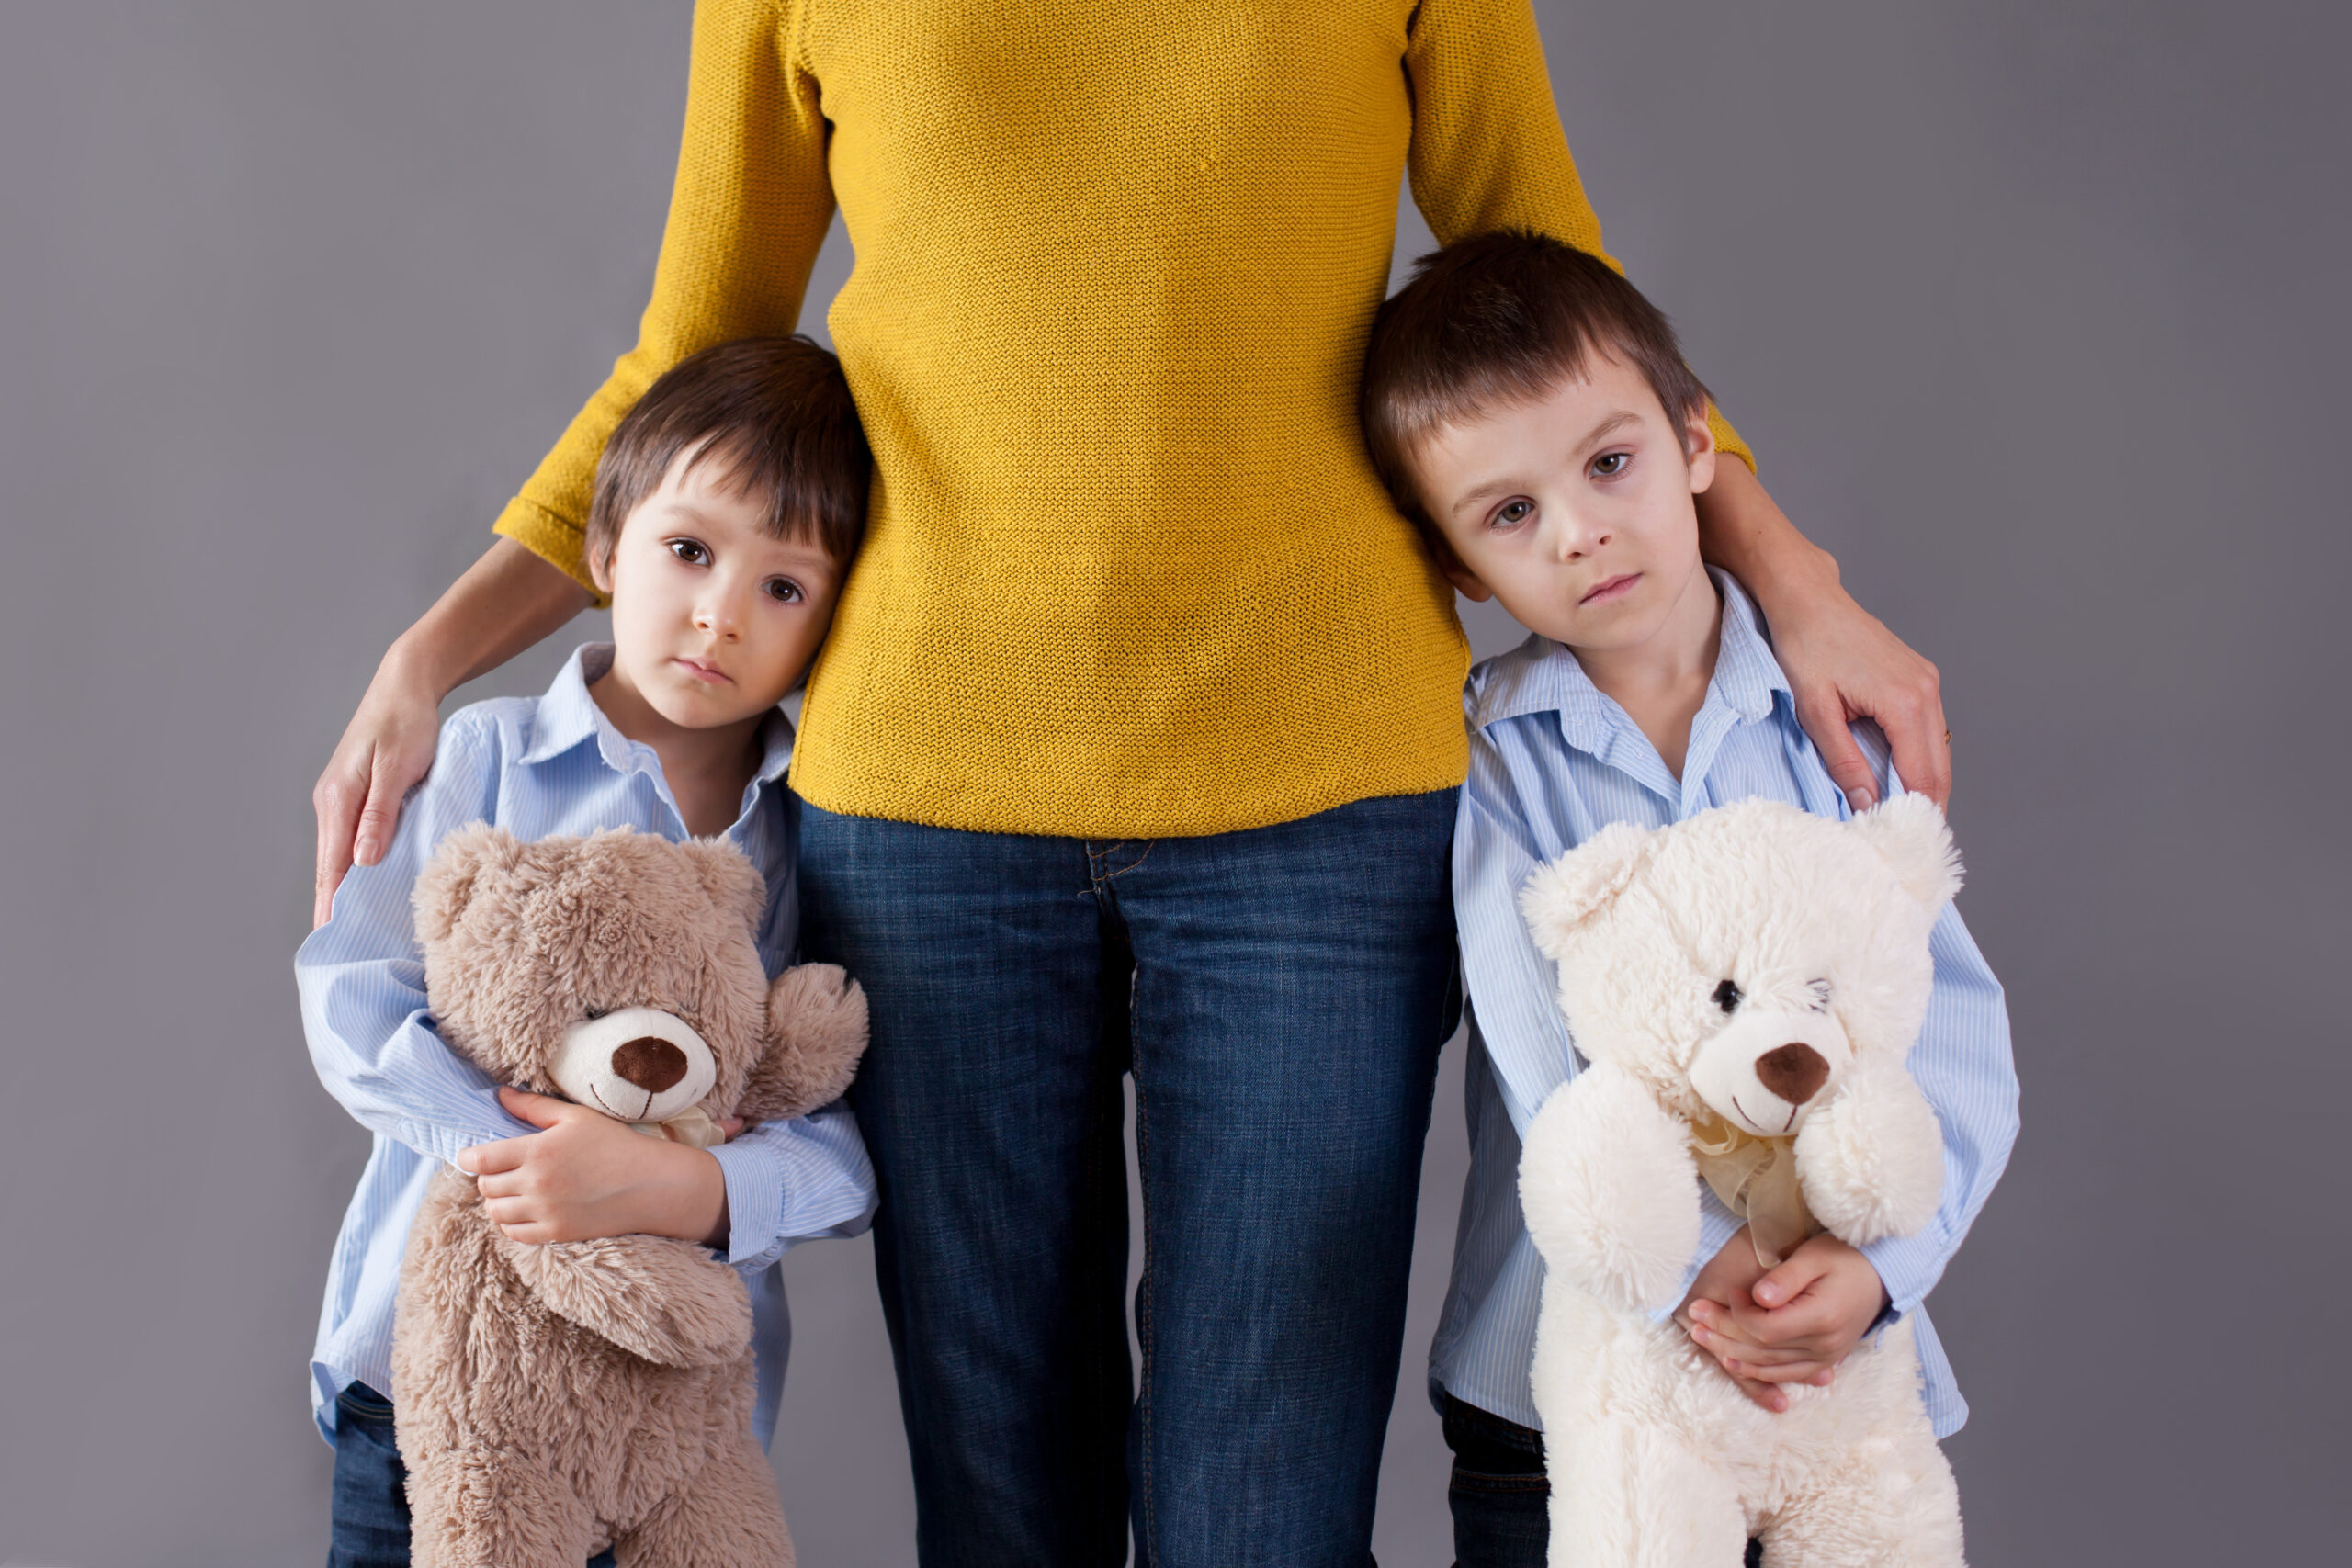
(1532,412)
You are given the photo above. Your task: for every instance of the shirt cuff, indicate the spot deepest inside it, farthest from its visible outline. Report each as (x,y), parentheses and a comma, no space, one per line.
(1908,1265)
(754,1176)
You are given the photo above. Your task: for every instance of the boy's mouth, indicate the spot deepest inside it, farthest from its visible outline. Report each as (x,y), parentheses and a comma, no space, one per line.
(1611,588)
(710,673)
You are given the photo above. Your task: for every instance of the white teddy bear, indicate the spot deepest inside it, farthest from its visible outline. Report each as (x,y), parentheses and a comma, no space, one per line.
(1746,986)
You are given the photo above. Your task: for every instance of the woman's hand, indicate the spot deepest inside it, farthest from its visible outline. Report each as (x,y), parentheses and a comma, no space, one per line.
(385,751)
(505,601)
(1841,663)
(584,1175)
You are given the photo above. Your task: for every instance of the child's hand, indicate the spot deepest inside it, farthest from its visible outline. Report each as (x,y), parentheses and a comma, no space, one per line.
(1791,1324)
(585,1176)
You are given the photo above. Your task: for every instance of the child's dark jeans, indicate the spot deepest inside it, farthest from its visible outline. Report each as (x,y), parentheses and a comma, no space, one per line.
(1500,1499)
(370,1509)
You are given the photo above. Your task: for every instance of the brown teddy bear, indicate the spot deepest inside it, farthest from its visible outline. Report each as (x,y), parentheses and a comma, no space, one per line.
(553,1399)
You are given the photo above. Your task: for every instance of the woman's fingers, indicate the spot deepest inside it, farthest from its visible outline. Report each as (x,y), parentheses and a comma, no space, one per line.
(1823,716)
(336,798)
(385,751)
(1911,713)
(1843,664)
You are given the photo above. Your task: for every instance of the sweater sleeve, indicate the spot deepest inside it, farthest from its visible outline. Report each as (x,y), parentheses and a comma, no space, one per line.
(1487,151)
(747,216)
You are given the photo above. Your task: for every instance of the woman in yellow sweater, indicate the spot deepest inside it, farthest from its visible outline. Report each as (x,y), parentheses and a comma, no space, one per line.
(1136,739)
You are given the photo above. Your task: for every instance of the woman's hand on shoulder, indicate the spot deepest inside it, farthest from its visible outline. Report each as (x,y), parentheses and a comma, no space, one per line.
(387,747)
(1841,661)
(504,602)
(1843,665)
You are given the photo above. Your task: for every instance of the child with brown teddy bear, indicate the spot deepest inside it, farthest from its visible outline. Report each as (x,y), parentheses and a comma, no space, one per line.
(728,505)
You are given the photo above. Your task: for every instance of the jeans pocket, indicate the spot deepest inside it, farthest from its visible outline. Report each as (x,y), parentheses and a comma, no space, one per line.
(361,1403)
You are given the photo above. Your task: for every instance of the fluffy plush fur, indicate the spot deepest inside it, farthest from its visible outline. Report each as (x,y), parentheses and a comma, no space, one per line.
(1763,968)
(554,1399)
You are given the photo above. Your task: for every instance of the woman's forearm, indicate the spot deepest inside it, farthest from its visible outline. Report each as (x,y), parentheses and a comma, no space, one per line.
(1842,664)
(1742,530)
(505,601)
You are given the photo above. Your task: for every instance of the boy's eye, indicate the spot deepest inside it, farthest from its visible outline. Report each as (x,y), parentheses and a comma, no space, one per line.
(1511,513)
(690,551)
(784,590)
(1609,464)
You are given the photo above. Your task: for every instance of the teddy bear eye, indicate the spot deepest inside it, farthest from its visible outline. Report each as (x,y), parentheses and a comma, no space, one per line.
(1820,989)
(1728,995)
(595,1014)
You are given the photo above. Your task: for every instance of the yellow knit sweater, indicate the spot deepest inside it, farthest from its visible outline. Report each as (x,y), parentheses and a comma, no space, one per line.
(1129,572)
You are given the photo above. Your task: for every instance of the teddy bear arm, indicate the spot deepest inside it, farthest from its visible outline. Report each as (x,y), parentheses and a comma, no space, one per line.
(665,1300)
(1610,1191)
(1872,1161)
(816,1034)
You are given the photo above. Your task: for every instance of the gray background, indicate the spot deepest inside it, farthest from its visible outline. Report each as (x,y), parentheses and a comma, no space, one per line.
(2034,310)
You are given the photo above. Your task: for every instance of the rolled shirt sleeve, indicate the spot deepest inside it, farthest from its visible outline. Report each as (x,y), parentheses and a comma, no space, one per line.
(790,1181)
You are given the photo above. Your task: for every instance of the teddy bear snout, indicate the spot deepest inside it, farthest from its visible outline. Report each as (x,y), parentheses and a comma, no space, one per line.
(1770,1067)
(654,1063)
(639,1065)
(1795,1071)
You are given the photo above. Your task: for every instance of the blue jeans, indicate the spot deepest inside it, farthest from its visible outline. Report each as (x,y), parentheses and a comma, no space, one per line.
(369,1521)
(1499,1491)
(1279,996)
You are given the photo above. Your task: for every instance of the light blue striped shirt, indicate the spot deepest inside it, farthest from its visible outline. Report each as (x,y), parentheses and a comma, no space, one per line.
(1552,762)
(536,766)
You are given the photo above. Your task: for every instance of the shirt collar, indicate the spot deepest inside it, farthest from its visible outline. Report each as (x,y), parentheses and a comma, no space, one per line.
(1541,676)
(567,717)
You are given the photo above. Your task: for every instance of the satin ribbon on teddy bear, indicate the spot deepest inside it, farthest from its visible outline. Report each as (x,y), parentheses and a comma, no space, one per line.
(692,1127)
(1757,1179)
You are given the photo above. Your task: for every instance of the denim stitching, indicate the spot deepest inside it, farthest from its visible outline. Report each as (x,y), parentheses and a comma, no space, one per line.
(1148,1548)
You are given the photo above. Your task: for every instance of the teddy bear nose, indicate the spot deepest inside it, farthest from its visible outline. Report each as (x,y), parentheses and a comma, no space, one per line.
(652,1064)
(1795,1072)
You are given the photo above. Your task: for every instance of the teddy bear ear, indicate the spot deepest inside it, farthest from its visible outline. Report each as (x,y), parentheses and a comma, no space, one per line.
(1910,835)
(1581,884)
(732,883)
(450,877)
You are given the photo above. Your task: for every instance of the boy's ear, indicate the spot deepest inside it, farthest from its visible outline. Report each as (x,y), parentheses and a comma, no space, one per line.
(1582,883)
(451,877)
(600,566)
(1700,454)
(1465,582)
(1911,837)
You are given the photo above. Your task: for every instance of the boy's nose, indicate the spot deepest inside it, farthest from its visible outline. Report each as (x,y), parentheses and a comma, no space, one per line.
(1576,540)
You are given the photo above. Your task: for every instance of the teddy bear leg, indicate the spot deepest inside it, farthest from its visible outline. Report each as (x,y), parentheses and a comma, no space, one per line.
(1891,1504)
(728,1518)
(478,1507)
(1627,1496)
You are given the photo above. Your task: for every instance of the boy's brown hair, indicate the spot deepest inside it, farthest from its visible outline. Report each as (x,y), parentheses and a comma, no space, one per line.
(776,411)
(1495,319)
